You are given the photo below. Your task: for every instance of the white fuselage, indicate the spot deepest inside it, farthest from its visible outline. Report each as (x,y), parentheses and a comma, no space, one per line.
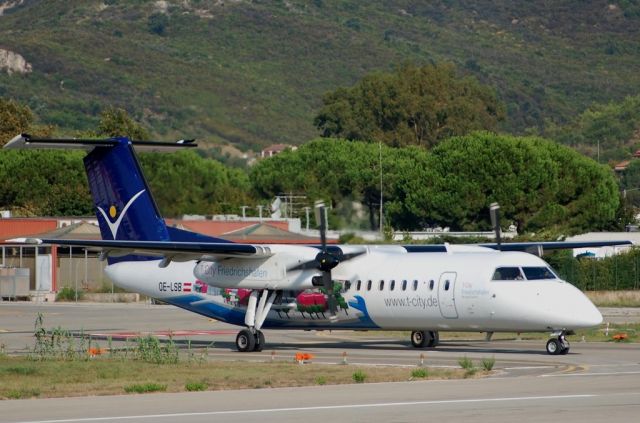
(385,288)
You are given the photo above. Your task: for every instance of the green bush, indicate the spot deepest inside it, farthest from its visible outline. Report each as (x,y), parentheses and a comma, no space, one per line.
(196,386)
(487,363)
(21,370)
(23,393)
(145,387)
(68,294)
(359,376)
(420,373)
(465,363)
(321,380)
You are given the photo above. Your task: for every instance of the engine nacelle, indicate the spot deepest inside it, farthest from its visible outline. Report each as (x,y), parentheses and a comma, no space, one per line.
(261,272)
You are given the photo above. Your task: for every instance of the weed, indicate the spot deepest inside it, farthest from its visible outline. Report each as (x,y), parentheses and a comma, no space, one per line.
(321,380)
(487,363)
(150,350)
(23,393)
(21,370)
(68,294)
(145,387)
(196,386)
(359,376)
(470,372)
(465,363)
(420,373)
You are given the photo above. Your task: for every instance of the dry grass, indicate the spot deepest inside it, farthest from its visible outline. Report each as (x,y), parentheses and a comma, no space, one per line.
(22,378)
(615,298)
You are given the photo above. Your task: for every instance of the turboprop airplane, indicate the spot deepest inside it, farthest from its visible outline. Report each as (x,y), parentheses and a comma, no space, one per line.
(422,288)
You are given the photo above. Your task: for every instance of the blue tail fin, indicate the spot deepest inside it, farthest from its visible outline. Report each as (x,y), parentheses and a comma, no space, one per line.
(124,205)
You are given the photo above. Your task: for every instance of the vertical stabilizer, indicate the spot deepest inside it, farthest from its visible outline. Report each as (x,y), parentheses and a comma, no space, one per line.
(124,206)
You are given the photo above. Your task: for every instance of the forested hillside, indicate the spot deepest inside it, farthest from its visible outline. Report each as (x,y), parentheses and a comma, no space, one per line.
(254,72)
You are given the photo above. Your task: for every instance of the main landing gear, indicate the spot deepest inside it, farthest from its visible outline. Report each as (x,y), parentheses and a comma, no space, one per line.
(252,338)
(558,344)
(425,339)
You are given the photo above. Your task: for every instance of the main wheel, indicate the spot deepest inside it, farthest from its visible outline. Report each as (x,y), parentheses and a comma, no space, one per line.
(565,346)
(435,339)
(420,338)
(554,346)
(259,337)
(245,341)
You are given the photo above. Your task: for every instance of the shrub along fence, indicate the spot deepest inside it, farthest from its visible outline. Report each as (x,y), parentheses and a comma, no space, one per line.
(618,272)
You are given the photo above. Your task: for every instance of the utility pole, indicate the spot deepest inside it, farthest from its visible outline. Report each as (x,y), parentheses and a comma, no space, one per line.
(244,208)
(381,198)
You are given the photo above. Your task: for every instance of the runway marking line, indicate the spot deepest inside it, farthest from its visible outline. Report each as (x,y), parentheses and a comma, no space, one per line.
(591,374)
(315,408)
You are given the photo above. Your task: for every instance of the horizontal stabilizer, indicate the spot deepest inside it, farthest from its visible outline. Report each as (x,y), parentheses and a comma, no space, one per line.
(24,141)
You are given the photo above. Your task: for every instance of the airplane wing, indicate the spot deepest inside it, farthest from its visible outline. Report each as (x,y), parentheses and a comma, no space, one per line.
(171,251)
(529,247)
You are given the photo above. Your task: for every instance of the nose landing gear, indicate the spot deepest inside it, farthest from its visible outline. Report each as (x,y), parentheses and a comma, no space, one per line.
(558,344)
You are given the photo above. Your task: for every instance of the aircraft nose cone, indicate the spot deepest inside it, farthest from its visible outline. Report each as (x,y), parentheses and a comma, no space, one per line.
(591,316)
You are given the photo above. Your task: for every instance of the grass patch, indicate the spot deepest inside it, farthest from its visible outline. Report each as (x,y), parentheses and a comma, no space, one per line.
(144,388)
(108,376)
(359,376)
(614,298)
(68,294)
(20,370)
(421,373)
(22,393)
(488,363)
(196,386)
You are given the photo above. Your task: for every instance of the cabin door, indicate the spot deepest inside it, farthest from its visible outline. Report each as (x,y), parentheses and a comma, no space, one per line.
(446,295)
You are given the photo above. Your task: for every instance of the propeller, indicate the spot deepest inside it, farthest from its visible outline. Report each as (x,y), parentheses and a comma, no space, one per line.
(326,260)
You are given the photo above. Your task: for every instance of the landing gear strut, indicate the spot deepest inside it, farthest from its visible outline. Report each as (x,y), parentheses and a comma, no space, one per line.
(252,338)
(425,339)
(558,344)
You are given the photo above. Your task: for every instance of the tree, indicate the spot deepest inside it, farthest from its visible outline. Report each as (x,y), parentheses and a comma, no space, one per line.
(412,106)
(14,119)
(541,186)
(115,122)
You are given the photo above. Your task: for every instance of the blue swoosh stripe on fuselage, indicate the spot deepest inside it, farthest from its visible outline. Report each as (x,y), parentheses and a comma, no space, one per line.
(235,316)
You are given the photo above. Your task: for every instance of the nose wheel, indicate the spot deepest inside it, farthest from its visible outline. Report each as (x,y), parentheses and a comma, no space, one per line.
(558,345)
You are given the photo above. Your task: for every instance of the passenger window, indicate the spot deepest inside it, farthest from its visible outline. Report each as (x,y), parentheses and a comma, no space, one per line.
(404,285)
(392,285)
(431,284)
(381,285)
(359,285)
(507,274)
(369,285)
(446,285)
(415,285)
(347,285)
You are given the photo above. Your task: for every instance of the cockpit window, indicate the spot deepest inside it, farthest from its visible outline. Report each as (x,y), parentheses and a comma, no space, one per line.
(535,273)
(507,274)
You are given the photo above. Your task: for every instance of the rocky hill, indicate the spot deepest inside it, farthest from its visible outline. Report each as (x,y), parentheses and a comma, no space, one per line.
(253,72)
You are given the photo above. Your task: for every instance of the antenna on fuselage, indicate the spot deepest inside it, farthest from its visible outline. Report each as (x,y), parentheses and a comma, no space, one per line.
(494,211)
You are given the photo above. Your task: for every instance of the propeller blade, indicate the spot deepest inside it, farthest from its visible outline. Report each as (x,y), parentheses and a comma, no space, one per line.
(327,283)
(494,212)
(323,227)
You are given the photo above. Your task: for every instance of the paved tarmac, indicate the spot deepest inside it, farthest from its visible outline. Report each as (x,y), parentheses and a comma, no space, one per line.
(594,382)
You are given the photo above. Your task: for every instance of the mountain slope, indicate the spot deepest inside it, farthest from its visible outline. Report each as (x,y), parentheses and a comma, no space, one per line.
(253,73)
